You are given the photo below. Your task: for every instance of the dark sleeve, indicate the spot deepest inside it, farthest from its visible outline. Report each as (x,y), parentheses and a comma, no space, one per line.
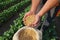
(59,1)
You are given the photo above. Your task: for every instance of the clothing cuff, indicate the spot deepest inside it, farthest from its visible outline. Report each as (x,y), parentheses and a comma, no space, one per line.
(59,1)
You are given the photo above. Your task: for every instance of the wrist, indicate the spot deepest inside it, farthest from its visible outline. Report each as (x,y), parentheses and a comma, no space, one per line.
(39,15)
(32,11)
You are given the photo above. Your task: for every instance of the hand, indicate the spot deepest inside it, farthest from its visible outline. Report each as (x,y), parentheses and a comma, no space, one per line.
(36,22)
(27,14)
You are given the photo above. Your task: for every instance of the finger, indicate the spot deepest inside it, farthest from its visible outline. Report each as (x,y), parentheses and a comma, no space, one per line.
(24,17)
(35,22)
(31,25)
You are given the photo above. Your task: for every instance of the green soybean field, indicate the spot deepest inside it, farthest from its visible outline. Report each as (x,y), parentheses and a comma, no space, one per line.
(8,8)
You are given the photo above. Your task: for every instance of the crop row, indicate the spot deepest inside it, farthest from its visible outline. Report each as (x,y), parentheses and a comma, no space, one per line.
(8,3)
(17,24)
(2,0)
(48,34)
(6,14)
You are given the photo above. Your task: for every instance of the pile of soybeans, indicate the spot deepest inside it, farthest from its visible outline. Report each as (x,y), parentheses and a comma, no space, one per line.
(27,34)
(29,20)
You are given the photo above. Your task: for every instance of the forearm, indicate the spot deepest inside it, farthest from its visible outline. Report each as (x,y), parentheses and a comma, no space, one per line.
(34,5)
(48,5)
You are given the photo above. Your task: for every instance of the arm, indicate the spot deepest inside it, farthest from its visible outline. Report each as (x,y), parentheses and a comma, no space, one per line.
(34,5)
(33,9)
(48,5)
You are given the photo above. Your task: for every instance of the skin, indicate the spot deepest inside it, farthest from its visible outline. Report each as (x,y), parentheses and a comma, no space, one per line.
(47,6)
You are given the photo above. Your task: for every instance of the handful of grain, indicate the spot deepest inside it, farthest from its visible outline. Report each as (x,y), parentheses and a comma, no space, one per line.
(27,34)
(29,20)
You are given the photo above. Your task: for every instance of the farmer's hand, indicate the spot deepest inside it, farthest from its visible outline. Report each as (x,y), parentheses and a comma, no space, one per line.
(36,22)
(27,14)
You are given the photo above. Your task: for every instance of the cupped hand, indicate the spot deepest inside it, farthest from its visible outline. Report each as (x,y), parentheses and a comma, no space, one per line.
(36,22)
(27,14)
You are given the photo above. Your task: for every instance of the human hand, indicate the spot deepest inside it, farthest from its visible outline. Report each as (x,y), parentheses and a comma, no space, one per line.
(27,14)
(36,22)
